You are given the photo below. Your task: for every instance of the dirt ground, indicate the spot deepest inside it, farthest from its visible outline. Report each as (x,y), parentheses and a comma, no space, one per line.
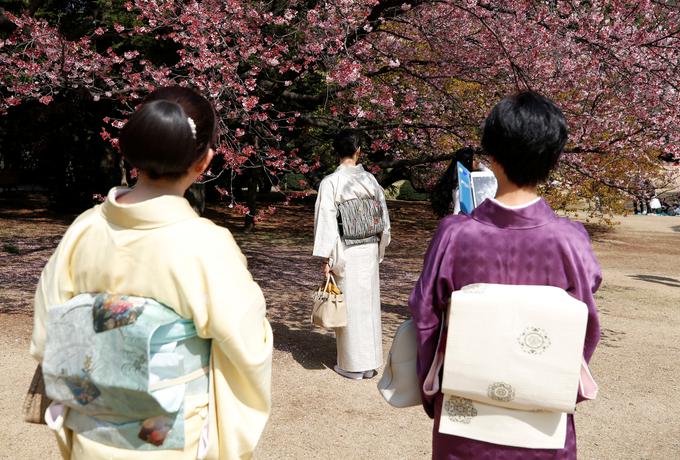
(318,414)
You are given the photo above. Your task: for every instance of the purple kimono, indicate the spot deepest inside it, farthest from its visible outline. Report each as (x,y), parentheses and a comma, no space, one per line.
(529,246)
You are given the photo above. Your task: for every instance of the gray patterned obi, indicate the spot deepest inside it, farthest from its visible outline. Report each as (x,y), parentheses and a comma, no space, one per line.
(123,365)
(360,221)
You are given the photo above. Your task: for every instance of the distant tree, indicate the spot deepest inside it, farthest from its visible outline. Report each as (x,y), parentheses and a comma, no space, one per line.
(417,76)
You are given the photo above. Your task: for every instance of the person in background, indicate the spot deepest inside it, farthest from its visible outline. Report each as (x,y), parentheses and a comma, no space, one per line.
(147,242)
(513,239)
(641,201)
(655,206)
(351,233)
(444,195)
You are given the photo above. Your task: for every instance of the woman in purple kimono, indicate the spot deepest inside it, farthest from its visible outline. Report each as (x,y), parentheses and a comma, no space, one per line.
(515,238)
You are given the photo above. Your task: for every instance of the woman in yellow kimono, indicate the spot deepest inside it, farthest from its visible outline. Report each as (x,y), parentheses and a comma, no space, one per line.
(148,242)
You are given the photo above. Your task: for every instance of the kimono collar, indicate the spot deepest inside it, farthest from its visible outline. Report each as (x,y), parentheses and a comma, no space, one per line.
(351,169)
(156,212)
(535,215)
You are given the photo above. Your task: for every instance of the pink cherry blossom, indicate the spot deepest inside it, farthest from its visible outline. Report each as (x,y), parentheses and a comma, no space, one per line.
(419,76)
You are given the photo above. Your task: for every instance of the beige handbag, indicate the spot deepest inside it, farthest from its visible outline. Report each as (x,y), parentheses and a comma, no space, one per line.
(329,308)
(36,401)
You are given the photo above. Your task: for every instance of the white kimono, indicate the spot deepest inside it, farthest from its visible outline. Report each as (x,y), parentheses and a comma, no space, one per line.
(359,344)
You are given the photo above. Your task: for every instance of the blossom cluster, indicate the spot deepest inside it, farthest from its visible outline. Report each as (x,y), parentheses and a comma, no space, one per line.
(417,76)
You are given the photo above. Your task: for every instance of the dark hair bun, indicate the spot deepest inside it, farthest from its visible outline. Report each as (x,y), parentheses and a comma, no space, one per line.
(346,143)
(172,130)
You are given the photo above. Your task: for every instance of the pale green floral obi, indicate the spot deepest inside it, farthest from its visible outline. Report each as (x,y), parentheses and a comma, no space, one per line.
(123,365)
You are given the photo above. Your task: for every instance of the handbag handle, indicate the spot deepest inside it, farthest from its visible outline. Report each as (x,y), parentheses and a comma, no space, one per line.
(325,286)
(329,278)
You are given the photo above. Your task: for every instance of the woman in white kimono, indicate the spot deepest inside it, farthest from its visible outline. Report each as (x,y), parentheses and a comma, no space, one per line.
(351,232)
(149,243)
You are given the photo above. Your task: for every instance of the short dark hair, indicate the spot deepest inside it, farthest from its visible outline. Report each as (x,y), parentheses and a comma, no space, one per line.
(346,143)
(525,134)
(158,138)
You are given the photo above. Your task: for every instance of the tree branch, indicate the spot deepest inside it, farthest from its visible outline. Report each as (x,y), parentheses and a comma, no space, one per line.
(417,161)
(386,9)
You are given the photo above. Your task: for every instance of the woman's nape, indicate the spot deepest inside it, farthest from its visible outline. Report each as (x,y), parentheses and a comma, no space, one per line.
(353,160)
(148,188)
(509,193)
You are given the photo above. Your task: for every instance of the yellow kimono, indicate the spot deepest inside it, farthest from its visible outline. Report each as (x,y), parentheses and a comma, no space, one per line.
(161,249)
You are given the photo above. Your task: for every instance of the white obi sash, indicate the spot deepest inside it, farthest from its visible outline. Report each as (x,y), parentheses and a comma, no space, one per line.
(513,364)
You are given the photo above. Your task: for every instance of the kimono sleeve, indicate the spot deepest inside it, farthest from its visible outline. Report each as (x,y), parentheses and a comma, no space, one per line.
(228,307)
(428,303)
(55,285)
(385,236)
(326,232)
(585,277)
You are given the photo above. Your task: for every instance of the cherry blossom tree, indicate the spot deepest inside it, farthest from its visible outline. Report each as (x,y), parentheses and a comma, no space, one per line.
(417,76)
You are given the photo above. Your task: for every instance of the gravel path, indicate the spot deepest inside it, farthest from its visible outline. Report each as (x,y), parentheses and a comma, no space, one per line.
(320,415)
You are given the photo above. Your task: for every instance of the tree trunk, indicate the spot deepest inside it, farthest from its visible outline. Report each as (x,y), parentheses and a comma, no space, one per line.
(196,197)
(394,175)
(251,200)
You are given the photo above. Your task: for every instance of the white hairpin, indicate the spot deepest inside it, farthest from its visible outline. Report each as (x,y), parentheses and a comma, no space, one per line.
(192,125)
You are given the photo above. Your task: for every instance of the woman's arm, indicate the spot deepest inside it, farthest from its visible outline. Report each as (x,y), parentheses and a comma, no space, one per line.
(428,303)
(585,279)
(228,307)
(385,235)
(326,231)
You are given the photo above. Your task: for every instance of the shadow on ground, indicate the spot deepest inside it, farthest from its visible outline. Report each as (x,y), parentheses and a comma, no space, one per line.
(311,349)
(29,233)
(596,231)
(611,338)
(665,280)
(279,257)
